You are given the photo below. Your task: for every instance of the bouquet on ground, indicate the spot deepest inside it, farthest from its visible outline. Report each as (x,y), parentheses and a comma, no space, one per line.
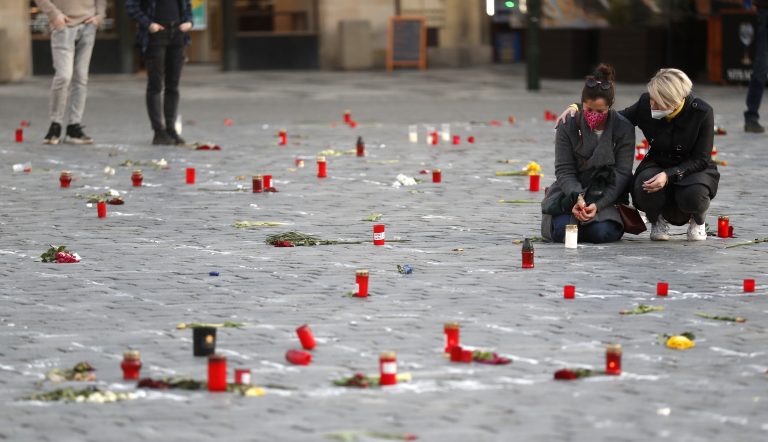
(60,255)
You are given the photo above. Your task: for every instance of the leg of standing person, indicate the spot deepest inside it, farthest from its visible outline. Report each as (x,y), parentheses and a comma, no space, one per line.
(651,203)
(759,76)
(63,54)
(85,39)
(154,59)
(174,61)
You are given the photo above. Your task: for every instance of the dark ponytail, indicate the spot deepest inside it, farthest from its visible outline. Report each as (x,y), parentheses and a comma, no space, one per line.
(604,73)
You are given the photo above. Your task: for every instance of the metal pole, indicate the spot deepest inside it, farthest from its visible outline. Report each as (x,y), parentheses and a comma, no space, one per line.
(229,36)
(533,53)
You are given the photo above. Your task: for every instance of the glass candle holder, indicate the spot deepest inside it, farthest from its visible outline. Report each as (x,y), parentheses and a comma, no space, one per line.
(413,133)
(347,116)
(527,254)
(388,368)
(613,359)
(298,162)
(451,330)
(282,137)
(569,291)
(322,171)
(361,279)
(306,337)
(428,135)
(445,131)
(471,139)
(243,376)
(19,135)
(131,365)
(360,147)
(662,289)
(267,181)
(571,236)
(456,140)
(65,179)
(137,178)
(749,285)
(298,357)
(378,234)
(101,209)
(203,341)
(722,226)
(190,175)
(217,373)
(534,182)
(437,176)
(258,185)
(456,352)
(434,138)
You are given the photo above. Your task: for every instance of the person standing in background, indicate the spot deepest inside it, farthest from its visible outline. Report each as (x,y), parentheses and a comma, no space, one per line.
(73,32)
(759,68)
(163,33)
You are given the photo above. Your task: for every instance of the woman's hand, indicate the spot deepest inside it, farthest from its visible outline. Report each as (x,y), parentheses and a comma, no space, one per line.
(656,183)
(570,111)
(185,27)
(154,27)
(584,213)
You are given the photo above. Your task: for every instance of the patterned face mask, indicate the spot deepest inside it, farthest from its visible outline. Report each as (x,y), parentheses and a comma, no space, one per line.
(595,119)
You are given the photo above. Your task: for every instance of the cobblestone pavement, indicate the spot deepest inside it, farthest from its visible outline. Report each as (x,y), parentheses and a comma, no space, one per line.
(146,268)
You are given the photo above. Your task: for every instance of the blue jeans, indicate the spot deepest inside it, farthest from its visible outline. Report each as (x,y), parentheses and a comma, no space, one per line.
(759,69)
(595,232)
(71,48)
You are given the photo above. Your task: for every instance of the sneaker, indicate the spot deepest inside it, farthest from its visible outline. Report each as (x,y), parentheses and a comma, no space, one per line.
(753,126)
(162,138)
(54,134)
(660,230)
(696,232)
(75,135)
(176,137)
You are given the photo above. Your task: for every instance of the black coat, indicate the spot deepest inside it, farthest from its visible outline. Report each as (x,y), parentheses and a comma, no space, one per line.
(681,146)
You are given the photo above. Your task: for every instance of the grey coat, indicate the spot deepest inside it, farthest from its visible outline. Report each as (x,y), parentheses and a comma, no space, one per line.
(578,154)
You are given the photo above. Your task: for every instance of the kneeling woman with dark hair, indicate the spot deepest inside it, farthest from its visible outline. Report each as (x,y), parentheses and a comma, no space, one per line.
(593,166)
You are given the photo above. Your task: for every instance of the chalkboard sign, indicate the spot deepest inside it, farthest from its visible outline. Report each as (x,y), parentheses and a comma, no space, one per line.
(407,42)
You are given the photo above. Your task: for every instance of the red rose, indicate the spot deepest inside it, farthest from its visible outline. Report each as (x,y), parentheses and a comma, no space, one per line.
(565,375)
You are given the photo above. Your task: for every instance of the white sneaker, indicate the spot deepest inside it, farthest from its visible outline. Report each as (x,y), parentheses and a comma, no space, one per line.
(696,232)
(660,230)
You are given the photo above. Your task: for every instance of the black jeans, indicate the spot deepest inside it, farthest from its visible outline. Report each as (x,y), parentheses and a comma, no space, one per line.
(759,69)
(164,59)
(676,203)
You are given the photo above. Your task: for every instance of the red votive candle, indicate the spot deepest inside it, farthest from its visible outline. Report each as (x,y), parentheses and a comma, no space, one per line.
(451,330)
(388,368)
(137,178)
(306,337)
(101,209)
(19,135)
(360,147)
(243,376)
(433,138)
(131,365)
(298,162)
(322,171)
(471,140)
(749,285)
(569,291)
(347,116)
(361,279)
(217,373)
(267,180)
(613,359)
(65,179)
(298,357)
(257,184)
(437,176)
(662,289)
(534,181)
(378,234)
(455,352)
(456,140)
(527,254)
(190,175)
(722,226)
(283,136)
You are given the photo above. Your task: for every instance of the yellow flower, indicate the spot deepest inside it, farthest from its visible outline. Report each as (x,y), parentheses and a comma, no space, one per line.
(680,343)
(533,168)
(254,392)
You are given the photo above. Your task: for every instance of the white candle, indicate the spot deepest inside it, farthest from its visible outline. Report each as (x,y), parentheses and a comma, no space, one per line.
(571,236)
(413,133)
(446,131)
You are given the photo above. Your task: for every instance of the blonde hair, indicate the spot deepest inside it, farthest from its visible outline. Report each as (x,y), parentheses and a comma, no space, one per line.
(669,87)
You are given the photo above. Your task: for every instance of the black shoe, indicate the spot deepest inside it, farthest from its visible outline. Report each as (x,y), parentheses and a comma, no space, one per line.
(54,134)
(176,137)
(753,127)
(75,135)
(162,138)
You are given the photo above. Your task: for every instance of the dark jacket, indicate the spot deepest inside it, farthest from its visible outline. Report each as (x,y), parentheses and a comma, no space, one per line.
(600,169)
(143,11)
(681,146)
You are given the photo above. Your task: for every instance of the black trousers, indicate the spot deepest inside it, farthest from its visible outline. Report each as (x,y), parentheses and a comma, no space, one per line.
(676,203)
(164,59)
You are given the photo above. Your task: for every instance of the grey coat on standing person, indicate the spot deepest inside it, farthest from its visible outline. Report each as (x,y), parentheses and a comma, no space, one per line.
(601,169)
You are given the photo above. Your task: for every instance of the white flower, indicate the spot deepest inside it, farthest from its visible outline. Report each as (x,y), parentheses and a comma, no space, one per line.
(404,180)
(161,162)
(77,257)
(113,192)
(109,171)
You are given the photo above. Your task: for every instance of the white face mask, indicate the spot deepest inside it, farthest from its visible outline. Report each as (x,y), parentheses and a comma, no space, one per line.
(659,114)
